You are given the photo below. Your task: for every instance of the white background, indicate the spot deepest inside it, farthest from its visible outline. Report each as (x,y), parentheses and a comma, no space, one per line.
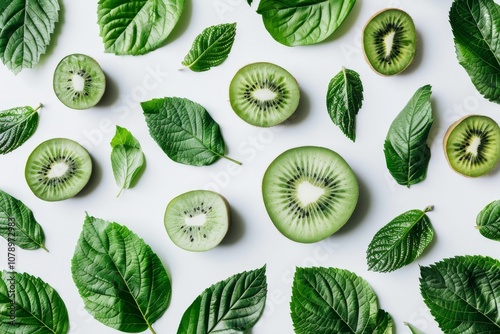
(253,240)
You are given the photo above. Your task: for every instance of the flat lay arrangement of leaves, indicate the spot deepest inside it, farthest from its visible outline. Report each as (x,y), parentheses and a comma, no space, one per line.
(127,286)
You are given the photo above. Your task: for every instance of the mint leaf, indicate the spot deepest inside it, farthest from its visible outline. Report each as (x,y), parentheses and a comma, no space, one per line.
(303,22)
(122,282)
(137,27)
(211,47)
(25,30)
(185,131)
(230,306)
(488,221)
(463,294)
(17,125)
(476,30)
(344,98)
(406,152)
(400,242)
(413,329)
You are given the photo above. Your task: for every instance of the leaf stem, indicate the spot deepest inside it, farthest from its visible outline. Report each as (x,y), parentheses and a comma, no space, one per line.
(39,106)
(44,248)
(429,208)
(119,193)
(151,328)
(232,160)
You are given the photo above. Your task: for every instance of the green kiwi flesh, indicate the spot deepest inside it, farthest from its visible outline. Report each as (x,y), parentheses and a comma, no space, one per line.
(389,41)
(58,169)
(198,220)
(472,145)
(309,193)
(264,94)
(79,82)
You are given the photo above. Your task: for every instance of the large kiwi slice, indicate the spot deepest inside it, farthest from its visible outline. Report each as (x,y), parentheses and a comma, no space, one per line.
(472,145)
(389,41)
(264,94)
(79,82)
(309,193)
(58,169)
(197,220)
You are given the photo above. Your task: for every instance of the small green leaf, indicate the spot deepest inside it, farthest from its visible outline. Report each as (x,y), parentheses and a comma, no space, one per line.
(230,306)
(17,125)
(211,47)
(413,329)
(488,221)
(249,2)
(344,98)
(385,324)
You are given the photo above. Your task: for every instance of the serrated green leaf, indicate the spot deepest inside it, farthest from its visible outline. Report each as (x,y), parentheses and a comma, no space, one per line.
(230,306)
(344,98)
(25,30)
(211,47)
(413,329)
(121,280)
(463,294)
(406,152)
(38,307)
(476,30)
(400,242)
(385,324)
(137,27)
(488,221)
(17,125)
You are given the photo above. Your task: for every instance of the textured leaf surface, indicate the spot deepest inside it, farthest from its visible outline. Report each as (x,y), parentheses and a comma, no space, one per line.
(488,221)
(413,329)
(385,324)
(17,125)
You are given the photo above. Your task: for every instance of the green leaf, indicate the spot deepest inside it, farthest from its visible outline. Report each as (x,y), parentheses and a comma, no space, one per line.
(463,294)
(25,30)
(406,152)
(385,324)
(249,2)
(488,221)
(400,242)
(18,225)
(122,282)
(476,30)
(303,22)
(211,47)
(137,27)
(127,158)
(17,125)
(38,307)
(230,306)
(185,131)
(414,329)
(344,99)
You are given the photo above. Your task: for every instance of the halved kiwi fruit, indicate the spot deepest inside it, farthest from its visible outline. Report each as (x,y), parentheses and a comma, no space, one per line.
(58,169)
(264,94)
(197,220)
(472,145)
(309,193)
(79,82)
(390,41)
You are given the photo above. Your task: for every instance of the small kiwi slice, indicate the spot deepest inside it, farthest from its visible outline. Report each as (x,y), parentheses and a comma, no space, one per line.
(79,82)
(58,169)
(197,220)
(390,41)
(264,94)
(472,145)
(309,193)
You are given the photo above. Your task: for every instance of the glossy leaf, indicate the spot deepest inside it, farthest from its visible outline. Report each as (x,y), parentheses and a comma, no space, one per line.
(17,125)
(488,221)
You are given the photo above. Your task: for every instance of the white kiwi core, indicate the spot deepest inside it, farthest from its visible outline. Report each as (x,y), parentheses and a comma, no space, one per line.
(78,82)
(197,220)
(308,193)
(474,146)
(264,94)
(58,170)
(388,42)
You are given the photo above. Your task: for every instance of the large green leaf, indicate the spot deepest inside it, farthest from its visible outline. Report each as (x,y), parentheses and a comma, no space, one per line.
(230,306)
(463,294)
(17,125)
(122,282)
(488,221)
(476,31)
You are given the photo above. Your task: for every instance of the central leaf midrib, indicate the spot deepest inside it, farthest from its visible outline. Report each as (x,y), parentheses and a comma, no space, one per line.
(19,122)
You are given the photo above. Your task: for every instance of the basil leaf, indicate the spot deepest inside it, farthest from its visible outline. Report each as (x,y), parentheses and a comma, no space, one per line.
(127,158)
(211,47)
(25,29)
(406,152)
(185,131)
(17,125)
(230,306)
(400,242)
(38,307)
(18,225)
(488,221)
(463,294)
(414,329)
(122,282)
(344,99)
(303,22)
(476,30)
(137,27)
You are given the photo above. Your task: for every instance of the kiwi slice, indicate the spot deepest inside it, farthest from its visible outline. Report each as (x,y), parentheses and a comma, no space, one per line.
(79,82)
(472,145)
(264,94)
(389,41)
(309,193)
(58,169)
(197,220)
